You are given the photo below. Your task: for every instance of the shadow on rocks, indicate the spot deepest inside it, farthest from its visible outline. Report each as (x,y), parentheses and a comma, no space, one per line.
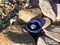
(19,38)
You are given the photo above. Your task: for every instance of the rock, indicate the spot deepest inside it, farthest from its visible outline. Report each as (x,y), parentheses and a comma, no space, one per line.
(41,41)
(47,23)
(44,40)
(28,14)
(58,12)
(14,37)
(53,32)
(47,10)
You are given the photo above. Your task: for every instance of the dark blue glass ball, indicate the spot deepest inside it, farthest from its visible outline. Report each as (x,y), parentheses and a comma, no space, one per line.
(34,25)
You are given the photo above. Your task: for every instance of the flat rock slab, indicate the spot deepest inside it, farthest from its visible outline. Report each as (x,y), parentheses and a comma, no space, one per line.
(53,32)
(50,9)
(53,36)
(44,40)
(28,14)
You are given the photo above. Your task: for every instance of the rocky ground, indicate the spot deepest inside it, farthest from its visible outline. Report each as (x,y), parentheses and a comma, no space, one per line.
(13,36)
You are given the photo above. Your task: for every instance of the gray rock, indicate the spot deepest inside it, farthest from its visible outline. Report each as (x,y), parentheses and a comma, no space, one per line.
(53,32)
